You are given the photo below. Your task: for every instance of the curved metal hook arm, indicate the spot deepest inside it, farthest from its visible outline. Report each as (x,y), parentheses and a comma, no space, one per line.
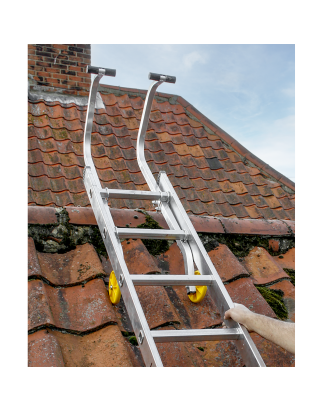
(168,215)
(141,138)
(88,129)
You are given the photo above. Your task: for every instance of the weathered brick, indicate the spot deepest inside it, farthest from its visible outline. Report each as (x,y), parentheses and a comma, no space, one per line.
(42,53)
(60,46)
(52,70)
(60,76)
(83,85)
(68,72)
(83,55)
(43,64)
(78,49)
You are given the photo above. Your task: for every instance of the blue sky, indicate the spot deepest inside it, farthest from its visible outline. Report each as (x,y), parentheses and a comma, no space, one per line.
(247,90)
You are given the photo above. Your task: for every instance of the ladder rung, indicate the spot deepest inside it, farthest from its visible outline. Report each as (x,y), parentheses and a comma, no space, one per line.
(196,335)
(134,194)
(151,234)
(171,279)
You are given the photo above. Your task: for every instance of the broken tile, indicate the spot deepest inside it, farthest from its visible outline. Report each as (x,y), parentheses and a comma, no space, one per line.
(262,267)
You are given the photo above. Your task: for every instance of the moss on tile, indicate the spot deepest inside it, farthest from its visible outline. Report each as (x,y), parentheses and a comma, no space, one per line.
(133,340)
(241,245)
(63,236)
(275,299)
(291,273)
(154,247)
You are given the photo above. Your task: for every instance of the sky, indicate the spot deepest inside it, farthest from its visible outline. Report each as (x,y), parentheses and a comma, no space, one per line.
(247,90)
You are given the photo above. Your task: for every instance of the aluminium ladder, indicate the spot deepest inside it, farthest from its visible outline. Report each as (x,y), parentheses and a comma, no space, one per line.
(180,229)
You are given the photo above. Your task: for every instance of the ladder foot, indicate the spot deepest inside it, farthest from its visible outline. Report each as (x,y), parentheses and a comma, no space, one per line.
(200,292)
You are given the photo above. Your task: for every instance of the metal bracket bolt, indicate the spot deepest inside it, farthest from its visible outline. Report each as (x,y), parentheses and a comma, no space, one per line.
(105,232)
(121,280)
(141,337)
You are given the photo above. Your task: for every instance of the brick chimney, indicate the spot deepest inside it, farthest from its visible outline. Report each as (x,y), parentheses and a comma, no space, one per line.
(59,68)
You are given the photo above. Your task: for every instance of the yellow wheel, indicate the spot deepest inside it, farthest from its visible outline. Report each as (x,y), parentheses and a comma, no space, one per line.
(114,290)
(200,292)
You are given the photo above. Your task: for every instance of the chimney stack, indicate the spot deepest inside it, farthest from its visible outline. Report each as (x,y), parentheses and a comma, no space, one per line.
(59,68)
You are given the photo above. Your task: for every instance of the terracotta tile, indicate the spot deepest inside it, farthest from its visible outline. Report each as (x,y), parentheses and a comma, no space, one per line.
(191,195)
(286,260)
(123,101)
(232,198)
(207,173)
(288,297)
(272,354)
(226,264)
(272,202)
(211,209)
(33,263)
(242,291)
(239,188)
(262,267)
(181,118)
(219,353)
(226,186)
(109,99)
(72,267)
(259,180)
(200,132)
(197,207)
(265,191)
(137,258)
(286,203)
(137,102)
(212,185)
(44,350)
(234,157)
(172,261)
(280,213)
(226,210)
(260,227)
(246,200)
(259,201)
(178,354)
(207,224)
(205,196)
(274,244)
(239,211)
(240,167)
(193,174)
(244,177)
(253,189)
(103,348)
(198,183)
(279,192)
(291,225)
(177,139)
(220,175)
(73,308)
(202,315)
(183,150)
(235,177)
(41,215)
(267,213)
(156,305)
(39,312)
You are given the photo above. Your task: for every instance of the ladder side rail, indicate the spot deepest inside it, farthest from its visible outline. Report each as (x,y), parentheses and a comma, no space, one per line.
(112,243)
(150,179)
(246,346)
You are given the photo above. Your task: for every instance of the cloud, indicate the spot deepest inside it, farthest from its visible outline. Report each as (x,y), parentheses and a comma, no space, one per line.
(194,57)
